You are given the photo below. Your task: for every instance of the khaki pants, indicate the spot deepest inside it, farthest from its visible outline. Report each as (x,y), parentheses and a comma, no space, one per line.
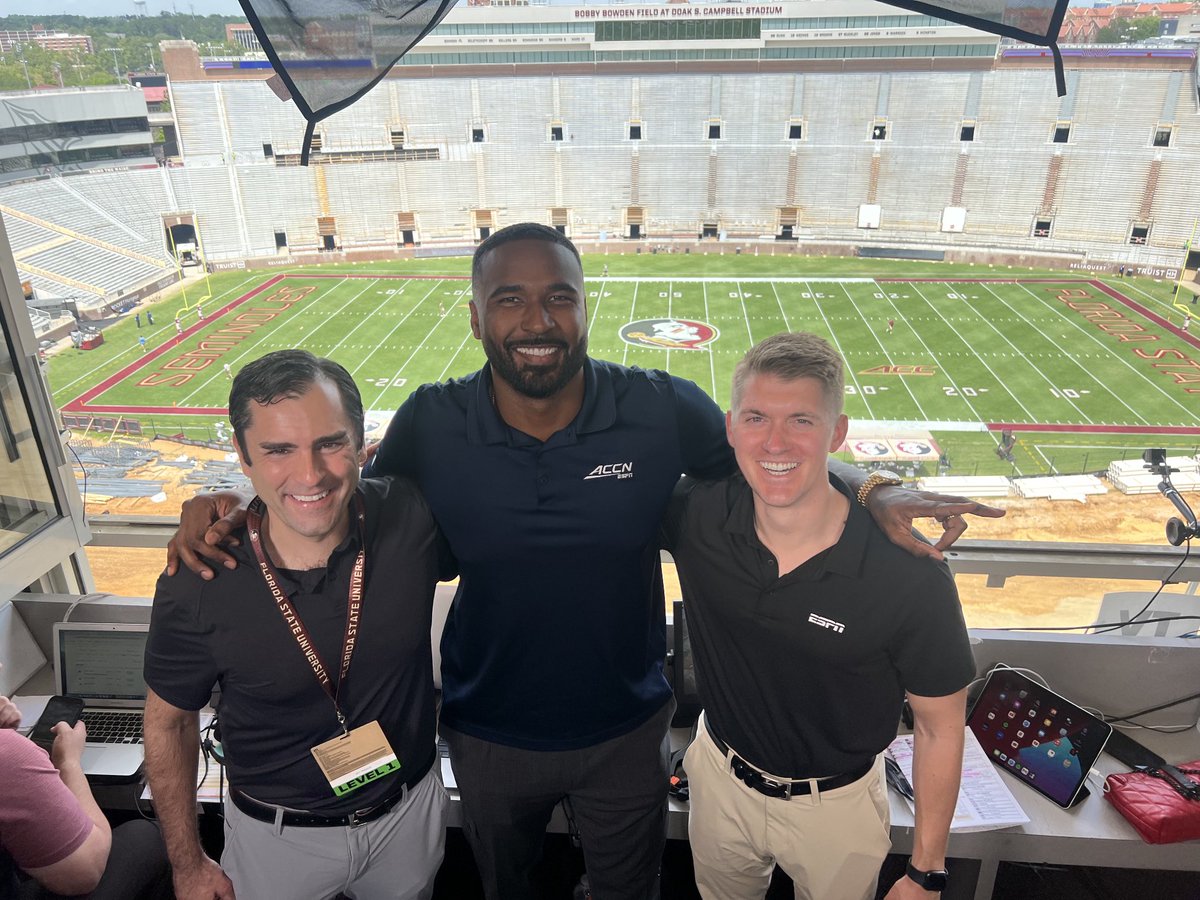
(831,843)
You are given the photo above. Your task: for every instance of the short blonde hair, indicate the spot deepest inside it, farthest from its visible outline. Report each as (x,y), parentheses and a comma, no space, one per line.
(790,356)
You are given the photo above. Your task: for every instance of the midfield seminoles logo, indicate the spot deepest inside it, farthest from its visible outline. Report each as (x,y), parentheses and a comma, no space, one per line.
(669,334)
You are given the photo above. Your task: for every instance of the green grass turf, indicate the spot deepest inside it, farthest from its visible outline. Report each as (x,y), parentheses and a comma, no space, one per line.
(1011,352)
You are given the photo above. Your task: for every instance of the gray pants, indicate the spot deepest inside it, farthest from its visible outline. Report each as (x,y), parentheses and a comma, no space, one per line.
(394,856)
(617,791)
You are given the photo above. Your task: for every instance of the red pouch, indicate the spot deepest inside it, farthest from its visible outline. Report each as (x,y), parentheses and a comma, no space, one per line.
(1156,804)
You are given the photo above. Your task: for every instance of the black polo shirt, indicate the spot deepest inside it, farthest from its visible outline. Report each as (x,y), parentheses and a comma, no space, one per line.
(556,637)
(272,709)
(804,675)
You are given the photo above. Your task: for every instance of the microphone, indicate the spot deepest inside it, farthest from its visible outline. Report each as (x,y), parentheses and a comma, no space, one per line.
(1178,530)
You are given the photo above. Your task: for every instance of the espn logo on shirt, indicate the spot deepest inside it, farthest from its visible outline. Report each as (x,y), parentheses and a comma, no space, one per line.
(611,470)
(826,623)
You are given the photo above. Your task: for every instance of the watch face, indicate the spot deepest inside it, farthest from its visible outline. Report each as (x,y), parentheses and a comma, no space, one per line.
(931,881)
(935,881)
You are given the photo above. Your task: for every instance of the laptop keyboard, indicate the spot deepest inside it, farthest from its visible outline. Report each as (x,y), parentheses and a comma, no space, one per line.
(113,727)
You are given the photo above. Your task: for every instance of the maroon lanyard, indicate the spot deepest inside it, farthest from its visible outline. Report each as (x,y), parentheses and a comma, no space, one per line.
(254,517)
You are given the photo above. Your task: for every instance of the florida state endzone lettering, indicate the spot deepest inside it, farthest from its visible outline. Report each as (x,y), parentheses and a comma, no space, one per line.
(1183,370)
(184,367)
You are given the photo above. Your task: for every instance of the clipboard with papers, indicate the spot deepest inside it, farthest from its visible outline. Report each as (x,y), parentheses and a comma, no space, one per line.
(984,801)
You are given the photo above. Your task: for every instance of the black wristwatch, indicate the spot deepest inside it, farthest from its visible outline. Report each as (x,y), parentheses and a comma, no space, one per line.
(933,880)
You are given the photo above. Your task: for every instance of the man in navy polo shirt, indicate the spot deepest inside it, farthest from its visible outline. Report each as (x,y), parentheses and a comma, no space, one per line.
(549,472)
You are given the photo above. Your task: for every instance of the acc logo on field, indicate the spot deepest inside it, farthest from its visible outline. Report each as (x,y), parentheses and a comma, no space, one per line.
(669,334)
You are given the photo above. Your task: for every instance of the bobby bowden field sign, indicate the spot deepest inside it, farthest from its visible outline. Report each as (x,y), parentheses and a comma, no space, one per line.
(669,334)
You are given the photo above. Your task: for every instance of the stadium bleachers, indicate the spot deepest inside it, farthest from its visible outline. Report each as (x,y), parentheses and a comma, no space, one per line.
(1094,186)
(1060,487)
(60,203)
(209,192)
(967,485)
(96,266)
(1131,477)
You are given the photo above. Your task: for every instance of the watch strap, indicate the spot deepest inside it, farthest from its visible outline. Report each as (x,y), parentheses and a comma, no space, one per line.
(933,880)
(874,480)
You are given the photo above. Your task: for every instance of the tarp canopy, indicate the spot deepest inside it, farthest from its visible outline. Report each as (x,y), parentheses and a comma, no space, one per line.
(328,53)
(1034,21)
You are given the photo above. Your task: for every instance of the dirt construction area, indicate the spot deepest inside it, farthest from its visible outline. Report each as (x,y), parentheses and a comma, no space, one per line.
(1027,601)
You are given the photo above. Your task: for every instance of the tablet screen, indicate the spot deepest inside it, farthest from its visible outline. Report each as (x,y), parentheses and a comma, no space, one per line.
(1037,736)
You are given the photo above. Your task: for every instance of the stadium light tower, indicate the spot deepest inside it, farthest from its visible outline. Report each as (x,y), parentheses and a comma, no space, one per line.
(24,65)
(139,8)
(116,69)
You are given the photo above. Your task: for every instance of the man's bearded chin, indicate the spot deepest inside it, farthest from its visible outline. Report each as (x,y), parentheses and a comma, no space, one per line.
(535,383)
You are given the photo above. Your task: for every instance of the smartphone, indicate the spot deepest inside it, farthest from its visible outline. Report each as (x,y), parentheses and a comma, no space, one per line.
(58,709)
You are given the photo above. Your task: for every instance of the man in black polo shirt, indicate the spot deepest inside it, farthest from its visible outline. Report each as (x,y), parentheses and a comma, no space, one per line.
(319,641)
(809,627)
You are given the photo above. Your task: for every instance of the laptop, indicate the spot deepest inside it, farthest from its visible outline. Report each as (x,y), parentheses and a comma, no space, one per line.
(101,664)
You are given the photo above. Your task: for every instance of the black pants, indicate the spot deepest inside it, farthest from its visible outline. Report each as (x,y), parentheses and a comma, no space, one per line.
(617,791)
(137,868)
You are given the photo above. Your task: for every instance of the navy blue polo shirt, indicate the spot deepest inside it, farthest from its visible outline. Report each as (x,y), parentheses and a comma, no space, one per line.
(556,637)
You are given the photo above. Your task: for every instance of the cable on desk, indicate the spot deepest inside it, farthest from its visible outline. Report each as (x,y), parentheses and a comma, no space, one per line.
(1103,627)
(1152,709)
(1098,713)
(86,598)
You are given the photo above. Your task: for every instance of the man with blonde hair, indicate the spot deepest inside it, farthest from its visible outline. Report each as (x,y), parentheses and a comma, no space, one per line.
(809,628)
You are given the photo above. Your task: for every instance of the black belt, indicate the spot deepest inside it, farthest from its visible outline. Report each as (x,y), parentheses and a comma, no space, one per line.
(784,790)
(265,812)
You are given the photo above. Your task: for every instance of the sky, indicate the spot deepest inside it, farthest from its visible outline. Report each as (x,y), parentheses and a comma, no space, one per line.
(118,7)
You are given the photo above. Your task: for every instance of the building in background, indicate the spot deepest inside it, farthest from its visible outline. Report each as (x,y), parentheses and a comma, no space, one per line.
(47,40)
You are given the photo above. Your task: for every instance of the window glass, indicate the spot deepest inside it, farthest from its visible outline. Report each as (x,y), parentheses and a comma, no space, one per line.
(26,500)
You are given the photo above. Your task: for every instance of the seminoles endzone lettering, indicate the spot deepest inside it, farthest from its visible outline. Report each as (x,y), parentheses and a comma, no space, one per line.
(1184,370)
(186,366)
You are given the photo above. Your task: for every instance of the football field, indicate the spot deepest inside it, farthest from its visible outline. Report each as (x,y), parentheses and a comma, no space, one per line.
(1107,365)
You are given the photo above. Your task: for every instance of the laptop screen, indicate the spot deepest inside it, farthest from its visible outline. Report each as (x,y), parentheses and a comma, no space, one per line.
(102,663)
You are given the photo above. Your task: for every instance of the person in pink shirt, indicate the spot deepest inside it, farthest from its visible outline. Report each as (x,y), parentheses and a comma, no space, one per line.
(54,840)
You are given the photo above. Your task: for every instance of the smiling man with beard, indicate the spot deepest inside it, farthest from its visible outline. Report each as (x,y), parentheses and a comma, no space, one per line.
(548,471)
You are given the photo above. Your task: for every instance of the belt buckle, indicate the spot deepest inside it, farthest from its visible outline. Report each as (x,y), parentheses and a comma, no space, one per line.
(784,788)
(358,817)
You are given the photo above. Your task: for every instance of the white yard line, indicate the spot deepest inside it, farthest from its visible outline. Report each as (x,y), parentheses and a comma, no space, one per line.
(1000,381)
(1065,354)
(745,314)
(88,376)
(1021,353)
(886,354)
(383,343)
(712,364)
(632,312)
(467,337)
(256,347)
(942,367)
(1082,327)
(836,343)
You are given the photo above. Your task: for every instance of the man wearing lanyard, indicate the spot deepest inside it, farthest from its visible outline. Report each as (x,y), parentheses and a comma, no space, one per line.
(549,472)
(319,642)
